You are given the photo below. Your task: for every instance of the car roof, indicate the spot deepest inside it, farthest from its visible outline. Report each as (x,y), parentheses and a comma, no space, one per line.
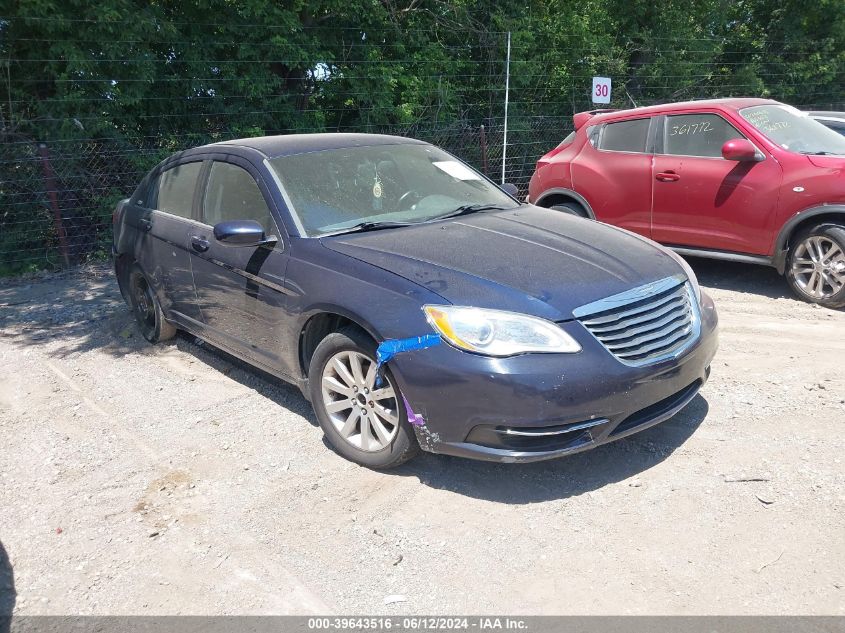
(289,144)
(733,103)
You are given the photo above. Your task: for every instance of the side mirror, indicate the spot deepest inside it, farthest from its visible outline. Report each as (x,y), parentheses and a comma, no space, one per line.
(741,150)
(510,189)
(242,233)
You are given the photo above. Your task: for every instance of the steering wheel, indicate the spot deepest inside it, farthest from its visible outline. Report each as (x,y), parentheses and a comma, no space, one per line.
(406,195)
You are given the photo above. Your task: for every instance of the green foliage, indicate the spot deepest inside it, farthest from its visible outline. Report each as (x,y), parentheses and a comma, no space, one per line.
(133,69)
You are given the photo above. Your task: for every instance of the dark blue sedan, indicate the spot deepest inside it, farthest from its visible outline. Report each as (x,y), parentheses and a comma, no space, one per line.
(414,303)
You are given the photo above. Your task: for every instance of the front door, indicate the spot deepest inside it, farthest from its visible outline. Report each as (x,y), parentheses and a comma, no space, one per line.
(702,200)
(240,289)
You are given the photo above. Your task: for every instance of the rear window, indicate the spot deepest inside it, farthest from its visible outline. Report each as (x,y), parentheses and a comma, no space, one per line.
(174,189)
(593,135)
(625,136)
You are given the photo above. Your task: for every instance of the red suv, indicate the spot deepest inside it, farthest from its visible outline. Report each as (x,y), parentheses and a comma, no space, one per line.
(749,180)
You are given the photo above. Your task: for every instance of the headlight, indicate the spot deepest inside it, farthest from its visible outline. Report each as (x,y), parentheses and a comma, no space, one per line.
(498,333)
(693,280)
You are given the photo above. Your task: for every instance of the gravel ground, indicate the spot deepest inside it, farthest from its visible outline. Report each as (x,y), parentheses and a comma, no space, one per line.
(171,480)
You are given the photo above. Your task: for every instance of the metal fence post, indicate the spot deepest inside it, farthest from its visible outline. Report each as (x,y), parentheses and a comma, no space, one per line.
(50,182)
(507,98)
(482,135)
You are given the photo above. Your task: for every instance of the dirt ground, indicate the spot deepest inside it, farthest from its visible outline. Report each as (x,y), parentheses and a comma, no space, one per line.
(171,480)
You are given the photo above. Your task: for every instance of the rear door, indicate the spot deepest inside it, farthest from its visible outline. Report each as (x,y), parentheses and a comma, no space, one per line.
(165,223)
(613,172)
(702,200)
(240,289)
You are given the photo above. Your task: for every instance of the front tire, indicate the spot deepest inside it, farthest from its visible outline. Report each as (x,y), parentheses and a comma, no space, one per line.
(816,266)
(147,308)
(366,424)
(573,208)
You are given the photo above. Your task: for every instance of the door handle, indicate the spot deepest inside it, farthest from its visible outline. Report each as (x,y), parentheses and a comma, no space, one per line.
(667,176)
(199,243)
(145,225)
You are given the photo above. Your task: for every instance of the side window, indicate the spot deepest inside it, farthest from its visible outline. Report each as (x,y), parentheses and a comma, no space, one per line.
(625,136)
(697,135)
(837,127)
(173,191)
(567,140)
(233,194)
(593,135)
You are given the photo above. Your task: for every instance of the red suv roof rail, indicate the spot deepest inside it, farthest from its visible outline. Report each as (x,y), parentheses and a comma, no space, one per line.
(581,118)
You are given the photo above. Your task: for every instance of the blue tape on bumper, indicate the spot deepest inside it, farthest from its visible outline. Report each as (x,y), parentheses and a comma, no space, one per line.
(388,349)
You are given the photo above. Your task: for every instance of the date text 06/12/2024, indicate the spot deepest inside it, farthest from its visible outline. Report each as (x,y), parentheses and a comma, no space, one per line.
(416,624)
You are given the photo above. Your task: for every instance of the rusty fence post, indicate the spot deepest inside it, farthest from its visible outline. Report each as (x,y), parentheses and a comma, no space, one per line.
(50,183)
(482,135)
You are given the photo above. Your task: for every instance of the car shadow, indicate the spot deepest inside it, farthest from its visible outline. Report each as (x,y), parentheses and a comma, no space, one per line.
(274,389)
(8,595)
(741,277)
(74,311)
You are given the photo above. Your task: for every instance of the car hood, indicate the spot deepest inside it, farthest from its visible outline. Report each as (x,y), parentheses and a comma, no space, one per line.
(530,260)
(829,162)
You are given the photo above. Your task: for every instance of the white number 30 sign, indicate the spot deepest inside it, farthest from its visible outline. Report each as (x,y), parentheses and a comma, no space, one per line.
(601,89)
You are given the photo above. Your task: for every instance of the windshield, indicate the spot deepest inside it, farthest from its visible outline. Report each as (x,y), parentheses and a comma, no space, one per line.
(338,189)
(794,130)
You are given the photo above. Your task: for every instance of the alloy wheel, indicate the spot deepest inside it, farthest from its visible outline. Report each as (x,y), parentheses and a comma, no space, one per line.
(365,416)
(818,267)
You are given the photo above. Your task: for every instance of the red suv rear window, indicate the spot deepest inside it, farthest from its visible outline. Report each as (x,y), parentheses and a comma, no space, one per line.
(568,140)
(625,136)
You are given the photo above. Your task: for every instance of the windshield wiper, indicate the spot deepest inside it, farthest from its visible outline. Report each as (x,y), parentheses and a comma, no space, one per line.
(376,226)
(466,209)
(821,153)
(370,226)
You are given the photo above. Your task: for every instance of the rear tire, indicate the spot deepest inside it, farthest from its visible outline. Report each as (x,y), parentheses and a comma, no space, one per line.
(816,265)
(147,309)
(370,429)
(573,208)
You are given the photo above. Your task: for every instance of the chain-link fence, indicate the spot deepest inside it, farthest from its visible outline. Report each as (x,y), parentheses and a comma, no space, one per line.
(58,197)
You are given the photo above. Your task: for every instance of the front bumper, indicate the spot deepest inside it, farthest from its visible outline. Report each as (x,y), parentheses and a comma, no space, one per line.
(541,406)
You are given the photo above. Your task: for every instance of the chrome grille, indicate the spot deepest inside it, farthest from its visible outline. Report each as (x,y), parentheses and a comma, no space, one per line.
(646,324)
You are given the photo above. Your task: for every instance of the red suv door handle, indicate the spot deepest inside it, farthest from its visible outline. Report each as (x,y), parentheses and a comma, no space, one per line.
(667,176)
